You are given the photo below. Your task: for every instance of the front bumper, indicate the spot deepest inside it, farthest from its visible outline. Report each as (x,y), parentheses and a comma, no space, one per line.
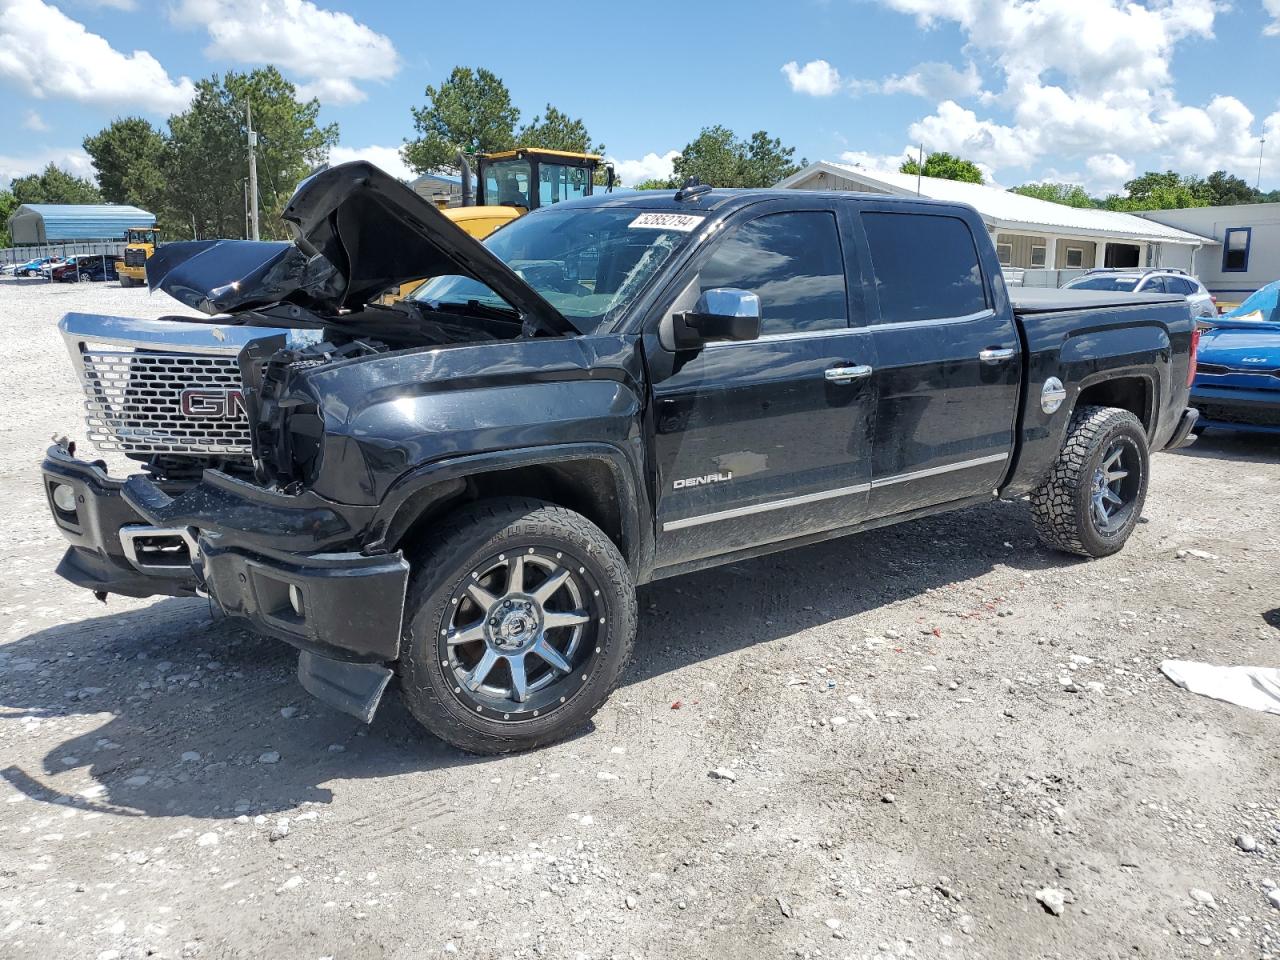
(1234,408)
(284,564)
(96,559)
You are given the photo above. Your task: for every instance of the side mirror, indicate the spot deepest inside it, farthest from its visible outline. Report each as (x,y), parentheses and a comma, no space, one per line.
(723,313)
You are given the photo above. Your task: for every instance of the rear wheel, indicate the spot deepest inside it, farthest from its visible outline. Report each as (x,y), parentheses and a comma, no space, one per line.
(126,281)
(520,619)
(1092,500)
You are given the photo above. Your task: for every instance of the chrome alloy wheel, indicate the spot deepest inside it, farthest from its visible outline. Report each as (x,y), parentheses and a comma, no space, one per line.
(1116,482)
(519,633)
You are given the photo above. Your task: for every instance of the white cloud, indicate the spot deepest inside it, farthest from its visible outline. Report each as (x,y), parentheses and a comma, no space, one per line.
(1109,171)
(327,52)
(33,121)
(876,161)
(71,159)
(47,54)
(958,130)
(817,78)
(388,158)
(1088,82)
(936,81)
(649,167)
(1273,10)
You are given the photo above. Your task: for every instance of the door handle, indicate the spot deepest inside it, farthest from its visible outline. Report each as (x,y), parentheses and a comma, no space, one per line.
(847,374)
(995,355)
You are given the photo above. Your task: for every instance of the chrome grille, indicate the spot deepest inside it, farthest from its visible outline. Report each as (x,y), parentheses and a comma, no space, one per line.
(146,402)
(137,374)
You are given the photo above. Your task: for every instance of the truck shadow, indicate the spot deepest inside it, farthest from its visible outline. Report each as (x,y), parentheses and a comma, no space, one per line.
(178,713)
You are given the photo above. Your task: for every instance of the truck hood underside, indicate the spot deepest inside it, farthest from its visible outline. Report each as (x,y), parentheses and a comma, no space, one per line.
(357,233)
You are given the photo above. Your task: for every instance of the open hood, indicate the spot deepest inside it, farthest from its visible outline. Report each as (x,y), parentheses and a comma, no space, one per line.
(357,232)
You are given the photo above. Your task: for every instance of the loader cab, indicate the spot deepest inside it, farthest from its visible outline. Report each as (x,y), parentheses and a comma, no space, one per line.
(528,179)
(142,235)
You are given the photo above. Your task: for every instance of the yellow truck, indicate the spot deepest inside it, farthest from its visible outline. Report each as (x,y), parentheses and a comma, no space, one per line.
(512,183)
(140,244)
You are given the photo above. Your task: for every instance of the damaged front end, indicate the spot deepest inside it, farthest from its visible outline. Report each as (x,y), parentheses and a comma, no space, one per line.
(229,437)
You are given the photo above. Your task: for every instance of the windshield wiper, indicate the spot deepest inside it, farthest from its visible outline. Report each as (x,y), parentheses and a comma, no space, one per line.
(480,309)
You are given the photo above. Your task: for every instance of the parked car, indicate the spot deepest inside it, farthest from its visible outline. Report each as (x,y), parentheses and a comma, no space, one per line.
(1162,280)
(1237,385)
(463,489)
(36,267)
(85,267)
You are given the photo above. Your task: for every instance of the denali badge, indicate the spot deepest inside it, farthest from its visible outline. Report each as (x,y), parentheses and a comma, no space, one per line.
(202,403)
(700,481)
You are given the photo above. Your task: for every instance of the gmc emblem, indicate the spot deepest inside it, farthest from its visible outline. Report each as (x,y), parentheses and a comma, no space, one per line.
(202,403)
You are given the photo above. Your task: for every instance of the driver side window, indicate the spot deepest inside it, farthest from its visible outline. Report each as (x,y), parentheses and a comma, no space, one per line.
(793,263)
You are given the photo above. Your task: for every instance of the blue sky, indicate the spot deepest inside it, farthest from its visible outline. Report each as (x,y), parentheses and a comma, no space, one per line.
(1083,90)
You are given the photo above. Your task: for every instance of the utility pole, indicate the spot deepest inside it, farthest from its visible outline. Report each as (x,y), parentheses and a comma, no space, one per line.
(919,169)
(1262,142)
(244,185)
(253,172)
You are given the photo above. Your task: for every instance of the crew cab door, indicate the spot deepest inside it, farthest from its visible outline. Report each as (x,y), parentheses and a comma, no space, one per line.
(949,359)
(766,440)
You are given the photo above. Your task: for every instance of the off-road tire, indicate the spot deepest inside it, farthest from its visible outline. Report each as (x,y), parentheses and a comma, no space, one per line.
(452,549)
(1061,505)
(126,281)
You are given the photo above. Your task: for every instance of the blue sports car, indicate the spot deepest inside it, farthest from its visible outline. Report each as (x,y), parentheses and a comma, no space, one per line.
(1237,385)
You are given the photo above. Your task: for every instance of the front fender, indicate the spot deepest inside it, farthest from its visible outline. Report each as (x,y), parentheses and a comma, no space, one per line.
(413,492)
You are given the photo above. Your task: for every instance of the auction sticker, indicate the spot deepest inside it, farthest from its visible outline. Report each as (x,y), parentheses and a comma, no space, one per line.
(684,222)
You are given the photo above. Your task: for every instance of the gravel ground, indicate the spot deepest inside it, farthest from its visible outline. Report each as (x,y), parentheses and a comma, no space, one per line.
(938,740)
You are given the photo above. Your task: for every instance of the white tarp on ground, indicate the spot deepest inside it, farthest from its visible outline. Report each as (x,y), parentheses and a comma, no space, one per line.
(1257,688)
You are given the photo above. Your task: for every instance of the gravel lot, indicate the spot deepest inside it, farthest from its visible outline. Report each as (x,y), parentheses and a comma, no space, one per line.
(917,730)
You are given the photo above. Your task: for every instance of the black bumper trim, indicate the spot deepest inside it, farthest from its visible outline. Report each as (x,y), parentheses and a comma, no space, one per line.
(96,559)
(352,605)
(1182,436)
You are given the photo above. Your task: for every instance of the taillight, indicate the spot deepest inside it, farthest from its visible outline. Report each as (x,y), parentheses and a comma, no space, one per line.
(1195,346)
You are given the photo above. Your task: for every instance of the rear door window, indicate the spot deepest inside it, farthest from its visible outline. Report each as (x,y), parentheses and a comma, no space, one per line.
(1154,285)
(926,267)
(793,263)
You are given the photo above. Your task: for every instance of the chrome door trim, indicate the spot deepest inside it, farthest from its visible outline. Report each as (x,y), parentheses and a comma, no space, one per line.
(765,507)
(934,471)
(932,322)
(995,354)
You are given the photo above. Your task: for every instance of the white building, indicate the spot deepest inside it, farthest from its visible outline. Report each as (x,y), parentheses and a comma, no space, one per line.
(1243,252)
(1029,234)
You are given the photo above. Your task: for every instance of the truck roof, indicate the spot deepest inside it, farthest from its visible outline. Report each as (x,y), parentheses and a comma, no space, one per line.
(719,197)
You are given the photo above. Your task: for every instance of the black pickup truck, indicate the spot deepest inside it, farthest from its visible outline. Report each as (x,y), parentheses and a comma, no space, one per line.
(462,490)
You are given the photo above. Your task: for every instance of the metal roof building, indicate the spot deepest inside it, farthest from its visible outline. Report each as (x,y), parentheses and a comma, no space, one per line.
(63,222)
(1029,233)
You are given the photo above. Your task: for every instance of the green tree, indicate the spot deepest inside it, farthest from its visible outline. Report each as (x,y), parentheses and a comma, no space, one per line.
(944,166)
(471,111)
(716,156)
(129,157)
(556,130)
(54,185)
(1160,191)
(767,161)
(1225,189)
(1069,194)
(653,185)
(8,203)
(206,161)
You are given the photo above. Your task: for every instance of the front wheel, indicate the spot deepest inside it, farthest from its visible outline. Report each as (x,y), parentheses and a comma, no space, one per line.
(520,616)
(1092,499)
